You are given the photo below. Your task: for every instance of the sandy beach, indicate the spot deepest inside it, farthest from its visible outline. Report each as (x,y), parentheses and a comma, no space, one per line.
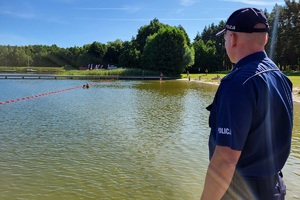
(296,95)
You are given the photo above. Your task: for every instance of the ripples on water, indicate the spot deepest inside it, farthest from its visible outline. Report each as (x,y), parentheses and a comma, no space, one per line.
(292,168)
(116,140)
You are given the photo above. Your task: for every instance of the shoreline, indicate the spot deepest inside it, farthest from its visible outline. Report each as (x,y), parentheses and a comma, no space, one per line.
(296,96)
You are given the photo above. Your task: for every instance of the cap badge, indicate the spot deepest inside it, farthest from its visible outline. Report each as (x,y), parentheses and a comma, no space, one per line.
(230,27)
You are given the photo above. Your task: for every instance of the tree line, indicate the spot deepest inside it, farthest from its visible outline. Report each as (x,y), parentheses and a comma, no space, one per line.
(163,48)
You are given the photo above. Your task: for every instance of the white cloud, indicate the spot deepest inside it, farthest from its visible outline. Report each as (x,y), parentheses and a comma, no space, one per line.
(23,15)
(257,2)
(129,9)
(148,19)
(23,11)
(188,2)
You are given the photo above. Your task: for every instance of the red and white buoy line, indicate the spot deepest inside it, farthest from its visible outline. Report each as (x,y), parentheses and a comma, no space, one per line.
(48,93)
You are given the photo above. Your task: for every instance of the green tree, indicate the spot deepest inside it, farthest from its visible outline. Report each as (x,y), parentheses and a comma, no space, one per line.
(21,58)
(76,56)
(96,52)
(205,55)
(188,41)
(113,52)
(209,50)
(11,56)
(130,57)
(166,51)
(288,48)
(145,31)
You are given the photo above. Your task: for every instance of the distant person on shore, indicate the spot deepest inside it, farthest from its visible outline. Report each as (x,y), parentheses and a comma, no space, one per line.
(188,75)
(206,71)
(161,76)
(251,117)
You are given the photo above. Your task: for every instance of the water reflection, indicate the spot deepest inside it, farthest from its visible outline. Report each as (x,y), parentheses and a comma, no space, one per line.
(116,140)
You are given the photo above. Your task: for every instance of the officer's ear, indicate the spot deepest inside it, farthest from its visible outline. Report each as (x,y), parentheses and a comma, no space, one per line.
(233,39)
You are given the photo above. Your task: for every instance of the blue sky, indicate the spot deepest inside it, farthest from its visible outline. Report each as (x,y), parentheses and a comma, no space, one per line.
(69,23)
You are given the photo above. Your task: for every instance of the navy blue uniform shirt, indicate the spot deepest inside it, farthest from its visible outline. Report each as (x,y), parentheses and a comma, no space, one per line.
(253,112)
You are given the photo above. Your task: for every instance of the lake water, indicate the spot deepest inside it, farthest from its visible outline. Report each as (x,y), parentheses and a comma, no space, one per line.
(117,140)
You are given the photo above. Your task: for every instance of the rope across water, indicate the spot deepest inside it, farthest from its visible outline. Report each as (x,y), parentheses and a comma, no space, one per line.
(48,93)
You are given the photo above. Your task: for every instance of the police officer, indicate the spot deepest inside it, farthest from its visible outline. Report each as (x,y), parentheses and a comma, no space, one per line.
(251,117)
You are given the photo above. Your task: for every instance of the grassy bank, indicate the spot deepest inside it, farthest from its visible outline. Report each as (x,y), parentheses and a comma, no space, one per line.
(35,69)
(114,72)
(210,77)
(68,71)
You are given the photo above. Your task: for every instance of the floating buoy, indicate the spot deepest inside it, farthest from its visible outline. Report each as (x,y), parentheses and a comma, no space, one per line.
(1,103)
